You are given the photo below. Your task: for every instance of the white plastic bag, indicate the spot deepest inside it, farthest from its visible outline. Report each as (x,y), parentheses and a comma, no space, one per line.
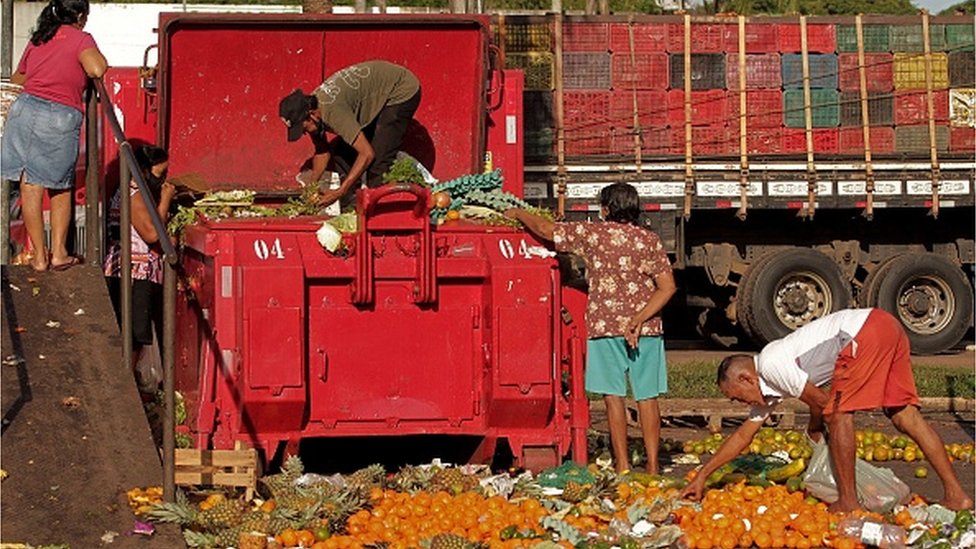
(878,489)
(149,368)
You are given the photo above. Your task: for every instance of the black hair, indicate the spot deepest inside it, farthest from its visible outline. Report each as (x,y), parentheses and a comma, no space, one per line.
(621,202)
(727,362)
(55,14)
(149,155)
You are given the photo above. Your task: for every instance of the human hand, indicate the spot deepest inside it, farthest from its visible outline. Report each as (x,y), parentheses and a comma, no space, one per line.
(325,197)
(632,332)
(694,489)
(167,190)
(512,213)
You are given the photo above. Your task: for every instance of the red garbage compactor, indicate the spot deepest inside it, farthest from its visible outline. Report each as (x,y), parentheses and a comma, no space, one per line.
(458,329)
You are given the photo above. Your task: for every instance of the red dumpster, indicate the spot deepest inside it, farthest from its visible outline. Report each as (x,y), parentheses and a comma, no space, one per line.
(457,329)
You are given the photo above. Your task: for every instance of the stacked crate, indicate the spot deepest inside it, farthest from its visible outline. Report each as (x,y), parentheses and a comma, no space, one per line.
(623,87)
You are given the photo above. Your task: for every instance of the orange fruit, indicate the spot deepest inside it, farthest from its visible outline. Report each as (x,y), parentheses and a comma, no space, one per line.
(288,537)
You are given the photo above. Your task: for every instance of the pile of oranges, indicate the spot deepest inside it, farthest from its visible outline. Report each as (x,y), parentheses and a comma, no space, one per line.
(403,519)
(746,516)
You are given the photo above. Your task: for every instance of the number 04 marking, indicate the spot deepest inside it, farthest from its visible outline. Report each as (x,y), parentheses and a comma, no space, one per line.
(263,252)
(508,251)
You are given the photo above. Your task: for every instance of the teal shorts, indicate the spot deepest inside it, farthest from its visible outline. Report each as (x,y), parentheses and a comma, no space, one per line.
(610,362)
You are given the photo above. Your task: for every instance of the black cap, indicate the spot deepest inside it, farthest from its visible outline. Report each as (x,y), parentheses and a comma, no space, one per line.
(293,110)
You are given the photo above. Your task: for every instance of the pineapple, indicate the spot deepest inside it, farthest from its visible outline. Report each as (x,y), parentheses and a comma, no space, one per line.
(575,492)
(255,521)
(411,478)
(336,509)
(179,512)
(526,486)
(285,480)
(605,485)
(452,481)
(367,477)
(228,537)
(452,541)
(225,514)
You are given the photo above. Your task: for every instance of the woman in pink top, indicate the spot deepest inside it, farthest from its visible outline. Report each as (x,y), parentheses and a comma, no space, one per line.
(40,137)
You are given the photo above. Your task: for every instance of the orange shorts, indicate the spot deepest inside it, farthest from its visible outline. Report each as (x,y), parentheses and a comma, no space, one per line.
(875,369)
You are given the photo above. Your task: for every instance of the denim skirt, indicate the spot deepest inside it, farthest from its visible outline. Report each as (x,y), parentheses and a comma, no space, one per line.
(40,139)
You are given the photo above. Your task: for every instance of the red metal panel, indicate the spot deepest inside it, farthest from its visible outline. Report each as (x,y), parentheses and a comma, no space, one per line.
(762,71)
(912,107)
(764,109)
(136,109)
(760,37)
(820,38)
(648,71)
(877,67)
(708,108)
(648,37)
(505,133)
(851,141)
(591,37)
(705,38)
(220,118)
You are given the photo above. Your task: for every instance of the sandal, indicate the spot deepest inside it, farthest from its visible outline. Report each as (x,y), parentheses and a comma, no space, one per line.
(71,262)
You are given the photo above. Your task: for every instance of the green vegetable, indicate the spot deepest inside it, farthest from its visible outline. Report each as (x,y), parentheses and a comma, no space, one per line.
(404,170)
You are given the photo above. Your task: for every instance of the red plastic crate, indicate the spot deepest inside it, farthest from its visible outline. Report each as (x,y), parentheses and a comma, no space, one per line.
(760,37)
(825,141)
(851,141)
(591,37)
(651,37)
(763,71)
(763,141)
(878,68)
(962,140)
(764,109)
(583,109)
(654,141)
(911,107)
(708,108)
(820,38)
(649,71)
(705,141)
(651,107)
(592,140)
(705,38)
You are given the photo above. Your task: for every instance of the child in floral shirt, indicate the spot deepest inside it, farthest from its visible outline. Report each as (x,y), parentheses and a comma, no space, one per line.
(630,281)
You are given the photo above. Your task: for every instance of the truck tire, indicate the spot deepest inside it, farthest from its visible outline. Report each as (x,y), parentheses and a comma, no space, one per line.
(868,297)
(930,296)
(784,290)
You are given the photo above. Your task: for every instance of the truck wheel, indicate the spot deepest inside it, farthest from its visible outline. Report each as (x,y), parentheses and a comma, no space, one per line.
(931,297)
(868,296)
(784,290)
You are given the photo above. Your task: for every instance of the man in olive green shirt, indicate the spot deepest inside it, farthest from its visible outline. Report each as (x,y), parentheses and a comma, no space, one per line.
(368,105)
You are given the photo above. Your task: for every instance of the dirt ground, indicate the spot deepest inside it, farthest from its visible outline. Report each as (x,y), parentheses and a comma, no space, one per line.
(74,435)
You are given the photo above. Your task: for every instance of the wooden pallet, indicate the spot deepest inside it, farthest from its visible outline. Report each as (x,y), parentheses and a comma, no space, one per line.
(715,410)
(237,468)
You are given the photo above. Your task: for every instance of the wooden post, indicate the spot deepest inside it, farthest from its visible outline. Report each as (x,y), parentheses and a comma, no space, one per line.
(560,117)
(743,141)
(808,120)
(689,173)
(933,144)
(865,120)
(637,126)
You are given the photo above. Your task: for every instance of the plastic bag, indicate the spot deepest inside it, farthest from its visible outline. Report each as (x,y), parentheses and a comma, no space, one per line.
(878,489)
(149,368)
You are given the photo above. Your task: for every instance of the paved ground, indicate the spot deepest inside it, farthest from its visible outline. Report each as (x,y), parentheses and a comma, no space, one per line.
(74,435)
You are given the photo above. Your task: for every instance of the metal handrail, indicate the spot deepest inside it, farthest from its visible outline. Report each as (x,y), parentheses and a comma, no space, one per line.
(129,168)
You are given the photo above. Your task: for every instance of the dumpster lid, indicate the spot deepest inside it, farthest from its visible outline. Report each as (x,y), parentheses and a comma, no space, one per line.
(222,76)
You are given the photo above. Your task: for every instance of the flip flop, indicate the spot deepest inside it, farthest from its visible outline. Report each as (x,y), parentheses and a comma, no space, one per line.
(72,261)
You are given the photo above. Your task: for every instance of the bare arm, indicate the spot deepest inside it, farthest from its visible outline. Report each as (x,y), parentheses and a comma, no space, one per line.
(729,450)
(364,157)
(93,62)
(141,220)
(18,78)
(659,298)
(537,225)
(816,399)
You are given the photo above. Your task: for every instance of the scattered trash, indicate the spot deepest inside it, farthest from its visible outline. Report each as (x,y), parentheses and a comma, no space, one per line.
(71,402)
(53,324)
(13,287)
(79,312)
(109,536)
(35,291)
(42,357)
(3,474)
(142,529)
(20,329)
(12,360)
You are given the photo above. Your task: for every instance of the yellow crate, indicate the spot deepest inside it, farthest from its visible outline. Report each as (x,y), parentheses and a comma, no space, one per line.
(538,68)
(909,71)
(236,468)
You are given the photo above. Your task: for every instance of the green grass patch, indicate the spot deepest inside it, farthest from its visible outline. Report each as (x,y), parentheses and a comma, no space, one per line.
(697,380)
